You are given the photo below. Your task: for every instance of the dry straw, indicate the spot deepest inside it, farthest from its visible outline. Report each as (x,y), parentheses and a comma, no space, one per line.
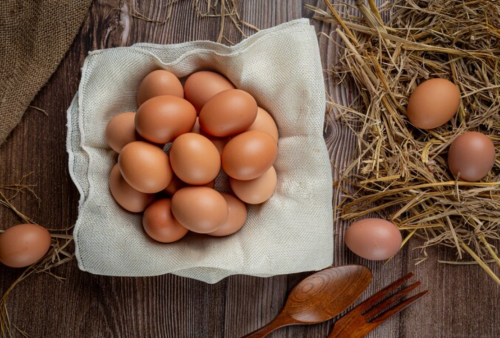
(399,171)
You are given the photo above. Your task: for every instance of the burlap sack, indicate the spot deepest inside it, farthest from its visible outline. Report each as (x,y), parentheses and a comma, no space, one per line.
(291,232)
(34,36)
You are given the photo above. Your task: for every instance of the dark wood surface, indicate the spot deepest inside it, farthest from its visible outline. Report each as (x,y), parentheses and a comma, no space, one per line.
(462,300)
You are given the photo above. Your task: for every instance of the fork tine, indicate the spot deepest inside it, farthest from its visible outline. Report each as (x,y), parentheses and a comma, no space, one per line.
(391,300)
(383,293)
(401,306)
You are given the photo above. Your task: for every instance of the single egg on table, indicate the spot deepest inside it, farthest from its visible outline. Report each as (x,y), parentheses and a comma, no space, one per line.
(145,167)
(157,83)
(160,224)
(120,131)
(433,103)
(249,155)
(126,196)
(471,156)
(373,238)
(202,86)
(236,218)
(163,118)
(265,122)
(195,159)
(255,191)
(200,209)
(23,245)
(228,113)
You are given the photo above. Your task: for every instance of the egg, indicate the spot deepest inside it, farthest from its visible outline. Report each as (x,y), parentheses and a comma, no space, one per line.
(237,216)
(265,122)
(23,245)
(160,224)
(157,83)
(145,167)
(219,142)
(120,131)
(202,86)
(373,239)
(126,196)
(255,191)
(228,113)
(249,155)
(163,118)
(177,184)
(195,159)
(433,103)
(471,156)
(200,209)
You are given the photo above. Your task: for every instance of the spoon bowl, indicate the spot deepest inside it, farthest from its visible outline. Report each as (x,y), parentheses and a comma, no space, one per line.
(320,297)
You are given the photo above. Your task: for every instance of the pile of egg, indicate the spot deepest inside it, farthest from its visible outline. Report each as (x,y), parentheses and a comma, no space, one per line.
(178,142)
(470,157)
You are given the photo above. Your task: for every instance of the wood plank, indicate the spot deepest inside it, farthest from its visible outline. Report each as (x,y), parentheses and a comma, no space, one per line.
(463,301)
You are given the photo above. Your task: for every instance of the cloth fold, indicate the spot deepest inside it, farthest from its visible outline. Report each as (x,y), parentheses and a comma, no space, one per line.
(291,232)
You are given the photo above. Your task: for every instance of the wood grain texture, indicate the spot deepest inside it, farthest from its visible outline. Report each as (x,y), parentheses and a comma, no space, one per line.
(463,301)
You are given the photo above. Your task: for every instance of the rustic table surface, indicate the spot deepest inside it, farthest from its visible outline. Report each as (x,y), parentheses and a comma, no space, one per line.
(462,302)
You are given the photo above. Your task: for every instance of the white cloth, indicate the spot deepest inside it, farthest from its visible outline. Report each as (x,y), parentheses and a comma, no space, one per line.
(291,232)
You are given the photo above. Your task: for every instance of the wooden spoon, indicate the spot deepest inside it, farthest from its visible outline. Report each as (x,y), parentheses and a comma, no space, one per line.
(320,297)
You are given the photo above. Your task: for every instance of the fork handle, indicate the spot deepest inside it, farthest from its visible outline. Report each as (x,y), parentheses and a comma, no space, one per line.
(275,324)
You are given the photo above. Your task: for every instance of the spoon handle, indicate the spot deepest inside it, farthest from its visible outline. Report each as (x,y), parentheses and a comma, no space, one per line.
(275,324)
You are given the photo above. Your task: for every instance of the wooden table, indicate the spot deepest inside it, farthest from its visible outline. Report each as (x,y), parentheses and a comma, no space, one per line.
(463,301)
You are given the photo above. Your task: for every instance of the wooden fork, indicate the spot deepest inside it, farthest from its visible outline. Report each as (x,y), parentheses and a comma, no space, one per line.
(365,317)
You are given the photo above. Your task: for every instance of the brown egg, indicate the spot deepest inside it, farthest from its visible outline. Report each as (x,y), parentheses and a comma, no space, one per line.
(228,113)
(219,142)
(120,131)
(163,118)
(126,196)
(194,159)
(200,209)
(433,103)
(160,224)
(237,216)
(145,167)
(202,86)
(255,191)
(177,184)
(471,156)
(249,155)
(373,238)
(157,83)
(23,245)
(265,122)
